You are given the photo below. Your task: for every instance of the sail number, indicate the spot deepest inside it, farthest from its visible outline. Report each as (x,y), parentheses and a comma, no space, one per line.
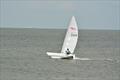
(73,35)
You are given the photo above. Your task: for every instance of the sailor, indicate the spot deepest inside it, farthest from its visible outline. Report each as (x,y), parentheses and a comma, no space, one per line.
(68,52)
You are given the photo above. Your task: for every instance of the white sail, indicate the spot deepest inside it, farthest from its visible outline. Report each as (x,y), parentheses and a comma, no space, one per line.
(71,37)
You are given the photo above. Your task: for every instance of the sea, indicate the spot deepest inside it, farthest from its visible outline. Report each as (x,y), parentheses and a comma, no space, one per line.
(23,55)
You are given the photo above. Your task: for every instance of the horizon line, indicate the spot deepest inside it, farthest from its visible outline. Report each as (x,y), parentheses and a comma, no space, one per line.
(54,28)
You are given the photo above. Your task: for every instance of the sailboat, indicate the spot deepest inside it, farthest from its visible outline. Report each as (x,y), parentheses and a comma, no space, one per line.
(69,44)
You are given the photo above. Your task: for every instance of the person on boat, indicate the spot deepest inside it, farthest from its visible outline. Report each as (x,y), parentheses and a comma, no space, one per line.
(68,51)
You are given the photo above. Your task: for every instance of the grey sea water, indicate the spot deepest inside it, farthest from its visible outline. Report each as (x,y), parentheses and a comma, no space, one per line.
(23,55)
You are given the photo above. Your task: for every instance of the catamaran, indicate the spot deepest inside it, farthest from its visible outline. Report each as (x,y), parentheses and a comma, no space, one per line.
(69,43)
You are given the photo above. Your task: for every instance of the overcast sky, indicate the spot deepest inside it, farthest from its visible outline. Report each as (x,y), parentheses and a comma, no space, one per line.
(90,14)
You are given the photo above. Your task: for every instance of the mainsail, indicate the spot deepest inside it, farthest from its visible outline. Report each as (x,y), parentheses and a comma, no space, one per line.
(71,37)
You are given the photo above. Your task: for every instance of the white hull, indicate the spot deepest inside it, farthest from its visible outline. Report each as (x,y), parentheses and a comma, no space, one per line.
(61,55)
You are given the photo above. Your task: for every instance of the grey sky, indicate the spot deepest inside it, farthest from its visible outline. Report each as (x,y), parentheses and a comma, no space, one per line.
(90,14)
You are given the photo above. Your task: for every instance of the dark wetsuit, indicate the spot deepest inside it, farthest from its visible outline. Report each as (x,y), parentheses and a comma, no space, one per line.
(68,52)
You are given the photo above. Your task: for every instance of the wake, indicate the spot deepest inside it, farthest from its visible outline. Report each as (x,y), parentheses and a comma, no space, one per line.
(97,59)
